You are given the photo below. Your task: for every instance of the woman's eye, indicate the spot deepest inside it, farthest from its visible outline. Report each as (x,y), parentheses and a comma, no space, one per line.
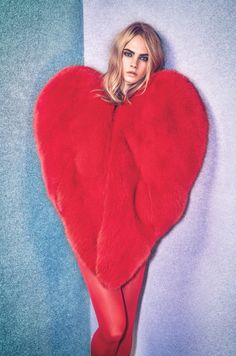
(128,54)
(145,59)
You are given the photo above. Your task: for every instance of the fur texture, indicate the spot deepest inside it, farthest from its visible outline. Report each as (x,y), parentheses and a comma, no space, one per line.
(119,178)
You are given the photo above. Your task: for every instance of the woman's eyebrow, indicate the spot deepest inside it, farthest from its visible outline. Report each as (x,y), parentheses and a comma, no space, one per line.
(141,54)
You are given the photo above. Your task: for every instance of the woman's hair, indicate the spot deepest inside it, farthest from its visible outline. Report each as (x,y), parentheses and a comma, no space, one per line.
(112,79)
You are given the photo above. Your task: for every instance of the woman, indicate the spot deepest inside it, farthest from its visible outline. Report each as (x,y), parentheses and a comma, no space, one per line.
(120,153)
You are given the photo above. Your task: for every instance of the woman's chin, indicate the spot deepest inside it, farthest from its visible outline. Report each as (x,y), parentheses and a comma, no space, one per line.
(131,81)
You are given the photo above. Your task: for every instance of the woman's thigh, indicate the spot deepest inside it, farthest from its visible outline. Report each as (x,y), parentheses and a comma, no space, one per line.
(132,289)
(108,304)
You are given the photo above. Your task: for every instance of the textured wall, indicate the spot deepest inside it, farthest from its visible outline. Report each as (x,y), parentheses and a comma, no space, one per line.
(44,306)
(188,305)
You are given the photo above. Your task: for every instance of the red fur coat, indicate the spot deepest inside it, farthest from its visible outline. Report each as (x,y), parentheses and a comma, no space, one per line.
(119,178)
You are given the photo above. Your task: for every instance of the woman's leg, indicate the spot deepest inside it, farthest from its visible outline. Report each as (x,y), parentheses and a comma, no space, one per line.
(115,311)
(131,293)
(110,311)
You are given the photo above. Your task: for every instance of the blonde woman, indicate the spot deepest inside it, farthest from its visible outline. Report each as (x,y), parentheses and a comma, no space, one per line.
(119,153)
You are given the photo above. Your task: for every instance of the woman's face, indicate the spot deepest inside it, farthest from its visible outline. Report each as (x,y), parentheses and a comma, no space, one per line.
(134,61)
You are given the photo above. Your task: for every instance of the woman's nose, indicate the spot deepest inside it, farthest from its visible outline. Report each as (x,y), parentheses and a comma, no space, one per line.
(133,64)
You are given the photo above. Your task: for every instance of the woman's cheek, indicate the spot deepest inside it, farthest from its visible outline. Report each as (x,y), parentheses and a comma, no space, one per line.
(144,68)
(125,63)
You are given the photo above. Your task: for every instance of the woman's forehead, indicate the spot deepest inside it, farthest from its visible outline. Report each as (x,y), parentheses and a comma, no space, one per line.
(137,45)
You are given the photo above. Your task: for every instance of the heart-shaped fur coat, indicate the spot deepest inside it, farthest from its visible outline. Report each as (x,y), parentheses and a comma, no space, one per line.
(119,176)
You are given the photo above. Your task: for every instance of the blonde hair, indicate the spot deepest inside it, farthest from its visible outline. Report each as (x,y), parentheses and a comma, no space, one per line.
(113,79)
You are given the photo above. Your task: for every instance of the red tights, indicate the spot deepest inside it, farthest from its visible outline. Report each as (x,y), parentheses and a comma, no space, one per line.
(115,311)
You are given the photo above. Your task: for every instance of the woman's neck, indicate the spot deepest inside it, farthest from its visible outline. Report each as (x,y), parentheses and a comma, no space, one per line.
(124,88)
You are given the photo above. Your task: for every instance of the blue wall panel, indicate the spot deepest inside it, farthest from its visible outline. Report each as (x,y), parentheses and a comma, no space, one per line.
(44,306)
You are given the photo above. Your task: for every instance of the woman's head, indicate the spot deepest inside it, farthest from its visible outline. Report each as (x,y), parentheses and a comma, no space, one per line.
(136,49)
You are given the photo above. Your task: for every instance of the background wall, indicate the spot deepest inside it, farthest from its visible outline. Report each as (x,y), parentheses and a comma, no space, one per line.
(44,306)
(188,303)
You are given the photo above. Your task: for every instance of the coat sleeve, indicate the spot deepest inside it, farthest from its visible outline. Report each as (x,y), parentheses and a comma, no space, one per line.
(169,143)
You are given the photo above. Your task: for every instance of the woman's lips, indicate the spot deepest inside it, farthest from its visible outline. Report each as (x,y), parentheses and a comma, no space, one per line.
(132,74)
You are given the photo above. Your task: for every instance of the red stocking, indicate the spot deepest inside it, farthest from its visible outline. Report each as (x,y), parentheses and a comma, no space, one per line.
(115,318)
(131,293)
